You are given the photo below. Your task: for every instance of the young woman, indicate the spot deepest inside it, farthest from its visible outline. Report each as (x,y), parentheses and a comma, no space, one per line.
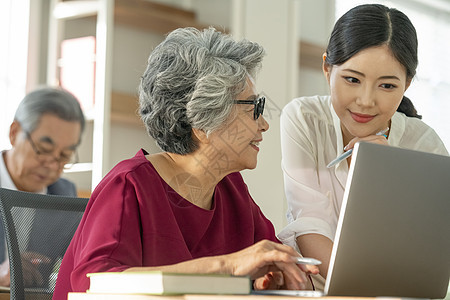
(369,63)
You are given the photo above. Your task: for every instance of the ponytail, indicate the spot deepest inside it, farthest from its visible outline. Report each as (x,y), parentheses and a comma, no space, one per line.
(407,107)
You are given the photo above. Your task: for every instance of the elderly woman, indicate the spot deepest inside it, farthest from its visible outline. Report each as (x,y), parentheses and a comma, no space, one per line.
(187,209)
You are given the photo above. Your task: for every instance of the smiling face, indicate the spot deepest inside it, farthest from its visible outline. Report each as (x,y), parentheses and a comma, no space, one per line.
(236,143)
(366,91)
(54,136)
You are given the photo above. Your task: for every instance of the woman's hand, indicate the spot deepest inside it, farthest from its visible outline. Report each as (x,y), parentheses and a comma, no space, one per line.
(276,262)
(379,138)
(30,265)
(30,272)
(271,265)
(4,273)
(270,281)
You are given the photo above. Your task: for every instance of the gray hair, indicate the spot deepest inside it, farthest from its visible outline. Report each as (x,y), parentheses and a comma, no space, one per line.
(191,80)
(48,100)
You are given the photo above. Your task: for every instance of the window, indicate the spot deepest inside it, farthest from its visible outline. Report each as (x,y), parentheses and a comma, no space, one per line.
(13,61)
(430,88)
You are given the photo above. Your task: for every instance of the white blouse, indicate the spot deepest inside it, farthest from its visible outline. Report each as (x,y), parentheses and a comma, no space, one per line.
(311,137)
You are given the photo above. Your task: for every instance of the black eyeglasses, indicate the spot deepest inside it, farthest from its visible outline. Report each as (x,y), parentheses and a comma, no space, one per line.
(258,103)
(46,156)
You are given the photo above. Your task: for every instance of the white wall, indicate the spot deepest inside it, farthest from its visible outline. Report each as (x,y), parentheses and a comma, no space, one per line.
(316,23)
(274,25)
(279,26)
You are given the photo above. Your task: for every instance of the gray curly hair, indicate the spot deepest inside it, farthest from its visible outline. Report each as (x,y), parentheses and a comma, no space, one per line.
(191,80)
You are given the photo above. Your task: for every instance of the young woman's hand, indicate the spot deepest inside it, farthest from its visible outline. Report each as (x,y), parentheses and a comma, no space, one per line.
(270,281)
(272,265)
(375,138)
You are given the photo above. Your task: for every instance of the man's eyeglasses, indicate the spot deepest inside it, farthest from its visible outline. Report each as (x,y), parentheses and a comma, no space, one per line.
(258,103)
(67,159)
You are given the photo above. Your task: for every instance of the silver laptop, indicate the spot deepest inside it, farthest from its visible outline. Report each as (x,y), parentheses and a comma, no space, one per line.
(393,234)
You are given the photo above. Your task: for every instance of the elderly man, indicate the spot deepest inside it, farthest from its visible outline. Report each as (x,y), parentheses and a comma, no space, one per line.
(44,135)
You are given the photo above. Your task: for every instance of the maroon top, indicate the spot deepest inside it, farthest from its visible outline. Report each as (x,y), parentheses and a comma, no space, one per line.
(134,218)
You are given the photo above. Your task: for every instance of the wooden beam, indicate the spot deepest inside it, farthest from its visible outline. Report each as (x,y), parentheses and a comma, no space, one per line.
(83,193)
(155,17)
(311,55)
(124,109)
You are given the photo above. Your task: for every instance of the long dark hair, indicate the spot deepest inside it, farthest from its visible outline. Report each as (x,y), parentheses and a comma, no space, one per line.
(370,25)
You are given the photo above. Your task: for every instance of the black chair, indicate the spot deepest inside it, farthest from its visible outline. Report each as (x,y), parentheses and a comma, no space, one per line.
(35,223)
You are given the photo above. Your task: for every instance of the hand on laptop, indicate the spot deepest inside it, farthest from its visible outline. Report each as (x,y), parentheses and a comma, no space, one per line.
(273,266)
(275,281)
(270,281)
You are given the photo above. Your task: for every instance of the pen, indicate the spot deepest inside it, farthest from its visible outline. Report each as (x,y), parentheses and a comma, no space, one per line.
(349,152)
(308,261)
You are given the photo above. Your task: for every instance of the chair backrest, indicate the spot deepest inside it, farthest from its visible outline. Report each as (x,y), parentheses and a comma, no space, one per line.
(38,229)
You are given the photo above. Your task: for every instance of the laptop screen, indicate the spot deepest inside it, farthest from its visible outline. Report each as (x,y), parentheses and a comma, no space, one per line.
(393,235)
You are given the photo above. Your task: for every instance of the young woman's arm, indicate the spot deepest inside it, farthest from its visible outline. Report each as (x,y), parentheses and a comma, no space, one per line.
(317,246)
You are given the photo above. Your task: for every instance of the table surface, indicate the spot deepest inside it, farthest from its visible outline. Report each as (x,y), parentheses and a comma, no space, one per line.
(88,296)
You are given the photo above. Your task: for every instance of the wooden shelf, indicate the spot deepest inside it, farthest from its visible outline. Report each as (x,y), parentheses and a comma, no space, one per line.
(155,17)
(311,55)
(124,109)
(145,15)
(161,19)
(67,10)
(83,193)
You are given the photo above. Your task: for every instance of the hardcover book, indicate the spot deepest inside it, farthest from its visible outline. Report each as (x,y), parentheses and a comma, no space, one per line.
(162,283)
